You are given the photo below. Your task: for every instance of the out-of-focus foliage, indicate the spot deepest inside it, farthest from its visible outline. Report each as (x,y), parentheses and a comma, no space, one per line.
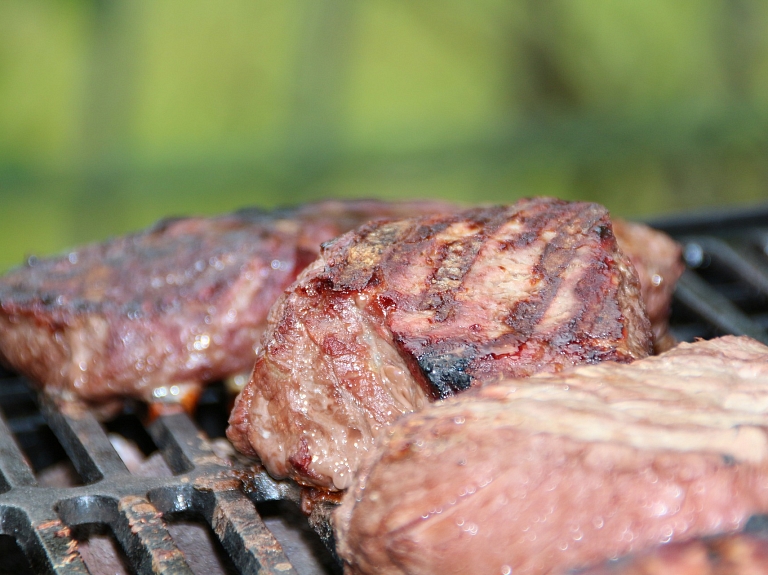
(114,113)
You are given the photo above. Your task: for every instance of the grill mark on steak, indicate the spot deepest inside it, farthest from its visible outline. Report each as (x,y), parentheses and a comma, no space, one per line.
(527,319)
(357,267)
(449,370)
(455,258)
(526,314)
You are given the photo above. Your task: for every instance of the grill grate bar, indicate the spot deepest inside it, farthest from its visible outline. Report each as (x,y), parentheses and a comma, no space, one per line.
(145,539)
(245,537)
(56,550)
(695,294)
(84,440)
(14,468)
(740,266)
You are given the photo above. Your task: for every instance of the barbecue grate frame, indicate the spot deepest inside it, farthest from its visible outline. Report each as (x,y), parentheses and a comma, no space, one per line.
(724,290)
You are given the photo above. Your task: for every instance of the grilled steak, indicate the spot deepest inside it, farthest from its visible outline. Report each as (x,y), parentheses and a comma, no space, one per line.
(566,470)
(155,314)
(396,314)
(658,260)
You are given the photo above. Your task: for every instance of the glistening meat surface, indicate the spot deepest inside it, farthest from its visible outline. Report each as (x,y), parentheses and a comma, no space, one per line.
(396,314)
(562,471)
(169,308)
(735,554)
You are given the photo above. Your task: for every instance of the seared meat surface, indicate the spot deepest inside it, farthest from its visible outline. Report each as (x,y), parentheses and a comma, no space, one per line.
(562,471)
(157,313)
(396,314)
(658,260)
(737,554)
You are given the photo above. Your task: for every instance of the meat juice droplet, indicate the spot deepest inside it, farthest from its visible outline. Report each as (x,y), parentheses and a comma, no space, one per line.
(598,522)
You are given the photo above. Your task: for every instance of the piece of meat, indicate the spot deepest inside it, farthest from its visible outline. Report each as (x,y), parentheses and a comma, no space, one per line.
(658,260)
(564,471)
(396,314)
(737,554)
(155,314)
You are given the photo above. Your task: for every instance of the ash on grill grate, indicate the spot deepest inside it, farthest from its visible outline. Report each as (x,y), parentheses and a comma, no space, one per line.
(180,510)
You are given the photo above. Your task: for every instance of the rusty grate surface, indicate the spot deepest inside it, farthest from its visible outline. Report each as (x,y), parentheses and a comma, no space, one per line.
(42,519)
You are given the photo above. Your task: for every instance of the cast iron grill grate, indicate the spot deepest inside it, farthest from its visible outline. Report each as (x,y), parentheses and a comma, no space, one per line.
(41,519)
(725,290)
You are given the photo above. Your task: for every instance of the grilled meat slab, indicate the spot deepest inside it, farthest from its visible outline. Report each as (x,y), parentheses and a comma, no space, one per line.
(561,471)
(399,313)
(157,313)
(658,260)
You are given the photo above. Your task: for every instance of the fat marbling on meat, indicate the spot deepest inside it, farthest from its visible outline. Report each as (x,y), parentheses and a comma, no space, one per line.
(157,313)
(398,313)
(561,471)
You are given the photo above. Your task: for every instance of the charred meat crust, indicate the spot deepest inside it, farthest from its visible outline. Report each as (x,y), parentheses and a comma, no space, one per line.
(373,258)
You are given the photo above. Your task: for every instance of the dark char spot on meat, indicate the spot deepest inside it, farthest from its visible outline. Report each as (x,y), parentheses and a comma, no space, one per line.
(446,372)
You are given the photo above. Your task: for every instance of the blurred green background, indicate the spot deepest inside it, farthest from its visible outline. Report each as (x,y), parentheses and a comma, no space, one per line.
(114,113)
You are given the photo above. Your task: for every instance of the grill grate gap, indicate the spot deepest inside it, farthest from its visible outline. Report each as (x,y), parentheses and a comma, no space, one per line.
(128,425)
(28,427)
(199,544)
(100,550)
(13,561)
(213,409)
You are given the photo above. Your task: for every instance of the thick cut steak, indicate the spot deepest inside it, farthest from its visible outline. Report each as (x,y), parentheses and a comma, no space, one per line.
(396,314)
(157,313)
(562,471)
